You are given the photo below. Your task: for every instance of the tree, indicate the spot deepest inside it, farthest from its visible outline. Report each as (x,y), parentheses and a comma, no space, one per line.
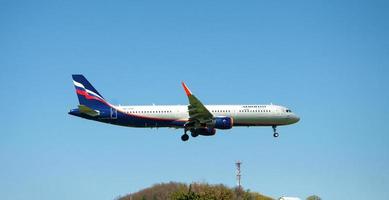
(184,196)
(194,191)
(181,195)
(313,197)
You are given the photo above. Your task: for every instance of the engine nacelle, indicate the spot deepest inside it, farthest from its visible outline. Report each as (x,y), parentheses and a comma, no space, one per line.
(223,122)
(203,131)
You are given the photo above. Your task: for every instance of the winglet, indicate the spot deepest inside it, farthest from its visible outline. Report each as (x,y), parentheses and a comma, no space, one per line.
(187,91)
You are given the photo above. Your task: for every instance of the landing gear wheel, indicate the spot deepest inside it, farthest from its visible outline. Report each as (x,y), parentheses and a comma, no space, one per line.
(193,134)
(185,137)
(275,131)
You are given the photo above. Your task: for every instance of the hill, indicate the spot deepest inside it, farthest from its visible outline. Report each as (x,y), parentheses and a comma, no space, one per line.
(195,191)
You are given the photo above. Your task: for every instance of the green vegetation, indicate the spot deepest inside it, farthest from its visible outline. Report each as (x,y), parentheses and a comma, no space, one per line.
(194,191)
(313,197)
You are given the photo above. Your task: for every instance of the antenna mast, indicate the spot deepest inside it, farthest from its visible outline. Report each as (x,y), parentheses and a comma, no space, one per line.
(238,174)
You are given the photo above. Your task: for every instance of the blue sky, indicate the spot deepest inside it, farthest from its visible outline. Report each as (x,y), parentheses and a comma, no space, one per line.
(326,60)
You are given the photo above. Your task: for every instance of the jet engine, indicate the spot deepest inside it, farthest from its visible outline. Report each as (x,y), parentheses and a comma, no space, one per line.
(222,122)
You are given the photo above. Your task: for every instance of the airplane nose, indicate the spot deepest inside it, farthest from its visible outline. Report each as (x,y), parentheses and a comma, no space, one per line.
(295,118)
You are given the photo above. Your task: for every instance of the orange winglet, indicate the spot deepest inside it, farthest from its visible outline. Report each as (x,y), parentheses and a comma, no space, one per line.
(187,91)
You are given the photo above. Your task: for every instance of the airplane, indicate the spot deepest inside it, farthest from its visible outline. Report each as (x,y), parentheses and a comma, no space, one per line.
(197,118)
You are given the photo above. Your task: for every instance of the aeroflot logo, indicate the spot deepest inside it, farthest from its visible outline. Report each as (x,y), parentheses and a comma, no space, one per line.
(88,91)
(81,90)
(254,106)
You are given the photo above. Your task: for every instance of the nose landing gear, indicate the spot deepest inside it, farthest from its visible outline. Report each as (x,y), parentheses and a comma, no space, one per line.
(275,134)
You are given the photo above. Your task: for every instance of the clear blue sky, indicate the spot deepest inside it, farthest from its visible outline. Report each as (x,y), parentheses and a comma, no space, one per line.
(326,60)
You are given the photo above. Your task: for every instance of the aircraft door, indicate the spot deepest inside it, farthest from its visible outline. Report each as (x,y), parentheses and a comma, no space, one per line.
(233,112)
(278,112)
(114,113)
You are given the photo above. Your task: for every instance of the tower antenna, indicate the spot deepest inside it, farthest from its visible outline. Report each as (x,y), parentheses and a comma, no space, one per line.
(238,173)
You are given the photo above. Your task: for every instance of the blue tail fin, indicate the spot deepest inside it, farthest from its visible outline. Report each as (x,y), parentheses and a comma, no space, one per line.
(87,94)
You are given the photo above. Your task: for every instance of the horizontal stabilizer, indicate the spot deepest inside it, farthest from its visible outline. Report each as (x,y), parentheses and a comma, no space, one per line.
(88,111)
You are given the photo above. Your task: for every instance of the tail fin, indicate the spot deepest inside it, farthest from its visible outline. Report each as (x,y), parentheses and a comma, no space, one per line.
(87,94)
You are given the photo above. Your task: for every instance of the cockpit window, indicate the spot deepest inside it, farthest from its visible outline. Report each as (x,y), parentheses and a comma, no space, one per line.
(288,110)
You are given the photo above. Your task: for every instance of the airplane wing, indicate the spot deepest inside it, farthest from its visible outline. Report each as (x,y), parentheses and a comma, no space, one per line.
(199,115)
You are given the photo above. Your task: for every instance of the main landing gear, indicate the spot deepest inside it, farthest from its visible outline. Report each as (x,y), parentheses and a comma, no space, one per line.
(185,137)
(194,134)
(275,134)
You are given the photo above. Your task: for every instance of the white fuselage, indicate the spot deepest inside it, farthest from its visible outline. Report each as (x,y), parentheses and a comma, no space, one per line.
(243,115)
